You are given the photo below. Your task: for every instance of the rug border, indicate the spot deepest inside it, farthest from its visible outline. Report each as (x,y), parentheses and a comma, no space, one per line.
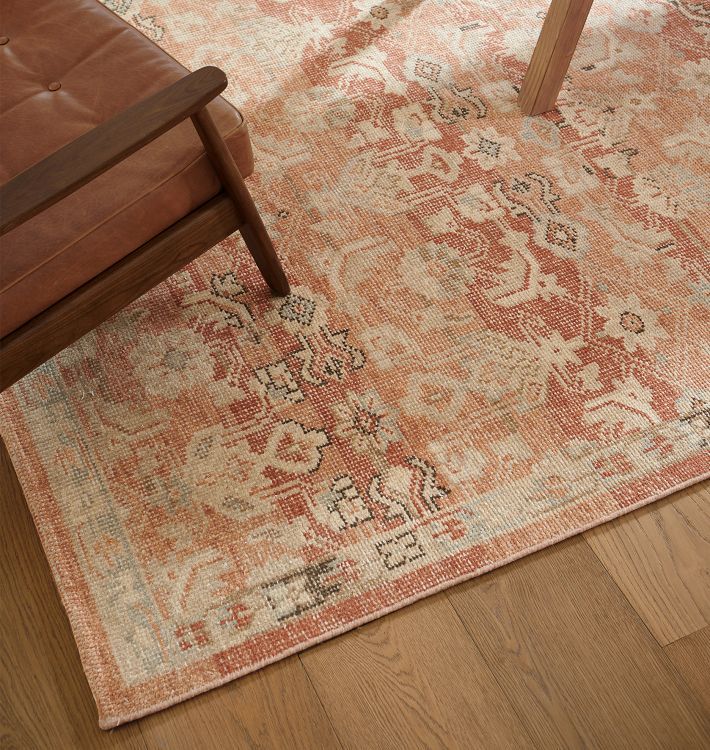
(111,722)
(692,467)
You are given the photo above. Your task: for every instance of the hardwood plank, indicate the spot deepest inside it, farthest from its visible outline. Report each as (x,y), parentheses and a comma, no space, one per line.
(552,55)
(691,657)
(45,701)
(659,557)
(412,679)
(91,304)
(573,657)
(273,708)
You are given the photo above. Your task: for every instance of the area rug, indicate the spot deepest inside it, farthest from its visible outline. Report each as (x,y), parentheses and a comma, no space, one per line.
(497,336)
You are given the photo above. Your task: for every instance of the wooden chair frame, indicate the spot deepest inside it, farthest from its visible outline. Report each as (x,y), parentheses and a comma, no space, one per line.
(74,165)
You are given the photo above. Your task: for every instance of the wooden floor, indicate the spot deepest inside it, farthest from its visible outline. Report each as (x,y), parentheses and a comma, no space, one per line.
(602,641)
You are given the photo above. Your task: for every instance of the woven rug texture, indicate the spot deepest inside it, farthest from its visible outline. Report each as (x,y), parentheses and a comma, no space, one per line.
(497,335)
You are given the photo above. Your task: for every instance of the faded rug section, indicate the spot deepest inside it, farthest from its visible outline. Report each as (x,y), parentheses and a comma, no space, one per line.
(498,336)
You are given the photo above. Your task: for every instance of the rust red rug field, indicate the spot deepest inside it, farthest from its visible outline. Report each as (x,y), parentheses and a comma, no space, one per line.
(497,336)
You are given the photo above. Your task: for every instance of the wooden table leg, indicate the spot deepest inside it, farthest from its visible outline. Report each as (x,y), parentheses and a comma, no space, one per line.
(554,49)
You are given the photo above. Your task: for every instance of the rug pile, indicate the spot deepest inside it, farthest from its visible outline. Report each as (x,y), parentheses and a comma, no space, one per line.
(497,336)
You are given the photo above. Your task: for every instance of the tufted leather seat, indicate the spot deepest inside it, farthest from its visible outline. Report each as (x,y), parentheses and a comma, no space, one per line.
(65,67)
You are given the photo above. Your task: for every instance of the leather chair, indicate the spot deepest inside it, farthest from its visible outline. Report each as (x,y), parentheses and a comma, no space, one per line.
(118,167)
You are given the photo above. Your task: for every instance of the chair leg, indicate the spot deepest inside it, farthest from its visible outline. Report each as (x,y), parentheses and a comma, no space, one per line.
(251,226)
(554,49)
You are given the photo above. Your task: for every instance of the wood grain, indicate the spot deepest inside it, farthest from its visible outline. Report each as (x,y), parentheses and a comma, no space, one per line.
(93,153)
(574,658)
(275,708)
(45,701)
(91,304)
(412,680)
(251,226)
(552,55)
(659,557)
(691,658)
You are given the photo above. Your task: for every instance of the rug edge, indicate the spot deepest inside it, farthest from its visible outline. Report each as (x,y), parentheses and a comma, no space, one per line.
(111,722)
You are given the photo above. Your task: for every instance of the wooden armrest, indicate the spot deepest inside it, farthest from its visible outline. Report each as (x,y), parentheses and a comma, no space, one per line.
(75,164)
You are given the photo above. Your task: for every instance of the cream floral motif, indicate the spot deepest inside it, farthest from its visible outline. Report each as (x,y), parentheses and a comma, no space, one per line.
(391,347)
(478,205)
(519,278)
(626,408)
(368,183)
(672,192)
(414,123)
(442,271)
(380,15)
(221,471)
(459,458)
(221,305)
(490,149)
(366,66)
(320,108)
(366,422)
(442,222)
(496,335)
(171,361)
(516,375)
(636,325)
(294,448)
(433,396)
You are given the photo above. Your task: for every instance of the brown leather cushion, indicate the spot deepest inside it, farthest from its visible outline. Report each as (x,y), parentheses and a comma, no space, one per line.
(103,66)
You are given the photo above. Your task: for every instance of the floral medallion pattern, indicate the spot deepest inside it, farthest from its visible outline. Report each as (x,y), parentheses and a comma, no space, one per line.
(497,335)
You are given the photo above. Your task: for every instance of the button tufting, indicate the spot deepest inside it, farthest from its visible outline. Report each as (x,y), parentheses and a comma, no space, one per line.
(54,86)
(4,39)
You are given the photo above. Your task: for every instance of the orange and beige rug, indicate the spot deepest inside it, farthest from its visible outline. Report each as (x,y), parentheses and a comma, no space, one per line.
(497,336)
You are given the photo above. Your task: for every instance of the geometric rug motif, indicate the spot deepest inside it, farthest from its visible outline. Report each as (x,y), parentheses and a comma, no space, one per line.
(497,335)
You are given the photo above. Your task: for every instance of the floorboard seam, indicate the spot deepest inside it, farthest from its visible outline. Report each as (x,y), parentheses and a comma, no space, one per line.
(325,710)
